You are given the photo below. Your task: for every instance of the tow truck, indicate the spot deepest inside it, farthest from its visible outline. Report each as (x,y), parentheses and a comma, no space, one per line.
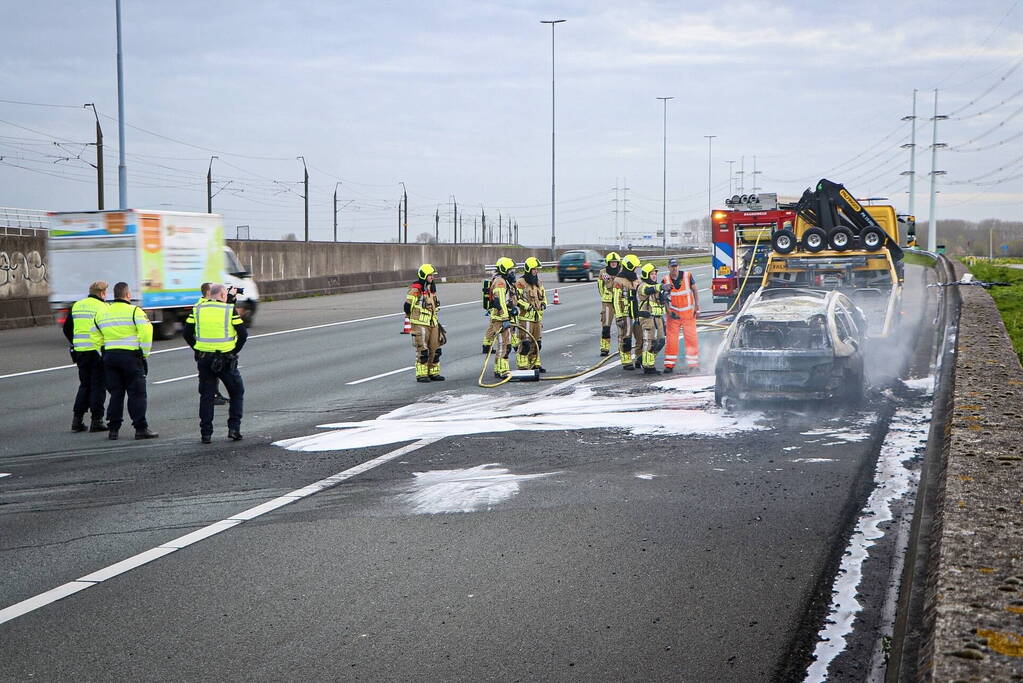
(742,244)
(838,243)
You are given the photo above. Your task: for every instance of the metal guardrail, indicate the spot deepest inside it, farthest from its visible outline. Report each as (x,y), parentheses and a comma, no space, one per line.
(23,219)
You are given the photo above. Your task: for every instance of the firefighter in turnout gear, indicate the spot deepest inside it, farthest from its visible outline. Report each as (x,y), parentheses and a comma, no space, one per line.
(500,301)
(605,285)
(127,341)
(216,333)
(532,302)
(683,307)
(86,340)
(624,301)
(421,306)
(650,296)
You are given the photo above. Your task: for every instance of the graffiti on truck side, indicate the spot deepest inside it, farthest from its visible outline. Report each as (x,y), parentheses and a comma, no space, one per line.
(22,274)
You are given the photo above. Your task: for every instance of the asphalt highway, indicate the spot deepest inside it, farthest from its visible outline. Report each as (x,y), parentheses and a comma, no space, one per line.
(534,531)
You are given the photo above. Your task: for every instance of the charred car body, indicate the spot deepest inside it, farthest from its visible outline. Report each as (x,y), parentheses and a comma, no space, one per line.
(792,343)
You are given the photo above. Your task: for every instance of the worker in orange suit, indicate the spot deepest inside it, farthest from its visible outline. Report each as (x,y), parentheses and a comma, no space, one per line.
(683,307)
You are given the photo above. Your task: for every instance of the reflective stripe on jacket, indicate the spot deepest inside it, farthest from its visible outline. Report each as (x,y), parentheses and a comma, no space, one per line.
(422,305)
(624,293)
(499,299)
(648,296)
(605,285)
(682,296)
(214,326)
(125,327)
(531,299)
(86,335)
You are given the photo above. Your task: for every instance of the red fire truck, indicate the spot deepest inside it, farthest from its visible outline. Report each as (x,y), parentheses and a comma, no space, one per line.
(742,243)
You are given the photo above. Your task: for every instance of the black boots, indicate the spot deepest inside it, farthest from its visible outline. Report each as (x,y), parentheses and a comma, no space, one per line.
(98,425)
(144,433)
(77,425)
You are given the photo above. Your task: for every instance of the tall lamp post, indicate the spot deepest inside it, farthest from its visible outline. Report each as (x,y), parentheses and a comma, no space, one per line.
(710,202)
(664,179)
(552,22)
(122,168)
(209,186)
(99,157)
(306,195)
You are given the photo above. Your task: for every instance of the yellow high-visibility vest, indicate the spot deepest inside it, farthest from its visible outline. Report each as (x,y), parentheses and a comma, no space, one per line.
(214,326)
(125,327)
(86,336)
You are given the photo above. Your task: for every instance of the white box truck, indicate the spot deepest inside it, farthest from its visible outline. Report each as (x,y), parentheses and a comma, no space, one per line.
(164,256)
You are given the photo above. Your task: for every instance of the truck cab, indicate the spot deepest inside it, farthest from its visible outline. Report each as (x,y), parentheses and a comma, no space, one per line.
(742,244)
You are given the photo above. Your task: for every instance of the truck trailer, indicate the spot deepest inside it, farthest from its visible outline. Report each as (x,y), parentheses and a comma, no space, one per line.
(164,256)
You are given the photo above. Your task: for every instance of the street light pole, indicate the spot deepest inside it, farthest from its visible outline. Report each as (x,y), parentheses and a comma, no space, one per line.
(664,180)
(122,168)
(404,197)
(710,202)
(99,158)
(336,185)
(552,22)
(209,186)
(306,197)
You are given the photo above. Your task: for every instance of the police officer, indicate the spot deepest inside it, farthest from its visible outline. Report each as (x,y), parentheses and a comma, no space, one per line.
(605,285)
(86,341)
(650,310)
(204,291)
(500,303)
(127,341)
(216,334)
(421,306)
(532,302)
(624,301)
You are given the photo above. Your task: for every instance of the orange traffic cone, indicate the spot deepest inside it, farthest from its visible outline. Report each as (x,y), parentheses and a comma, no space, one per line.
(557,299)
(407,327)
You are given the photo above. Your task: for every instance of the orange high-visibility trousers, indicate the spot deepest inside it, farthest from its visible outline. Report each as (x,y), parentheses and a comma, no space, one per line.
(685,325)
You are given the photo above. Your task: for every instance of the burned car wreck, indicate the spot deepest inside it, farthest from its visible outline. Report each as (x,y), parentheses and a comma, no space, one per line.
(792,343)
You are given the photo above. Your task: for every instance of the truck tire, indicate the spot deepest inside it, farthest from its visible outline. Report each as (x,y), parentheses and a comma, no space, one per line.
(872,238)
(783,241)
(841,239)
(814,240)
(164,330)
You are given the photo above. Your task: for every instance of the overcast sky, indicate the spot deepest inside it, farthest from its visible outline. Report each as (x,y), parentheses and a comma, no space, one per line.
(454,98)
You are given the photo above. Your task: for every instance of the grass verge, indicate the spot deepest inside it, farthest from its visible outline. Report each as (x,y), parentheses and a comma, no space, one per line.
(1008,299)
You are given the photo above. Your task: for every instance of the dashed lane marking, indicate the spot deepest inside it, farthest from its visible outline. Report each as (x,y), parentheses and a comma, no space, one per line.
(177,379)
(5,474)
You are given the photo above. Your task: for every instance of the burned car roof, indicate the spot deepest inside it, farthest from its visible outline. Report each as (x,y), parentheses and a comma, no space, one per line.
(787,309)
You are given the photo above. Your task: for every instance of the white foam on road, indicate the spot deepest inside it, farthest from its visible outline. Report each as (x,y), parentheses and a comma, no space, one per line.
(924,384)
(812,460)
(846,434)
(465,490)
(893,479)
(689,413)
(644,475)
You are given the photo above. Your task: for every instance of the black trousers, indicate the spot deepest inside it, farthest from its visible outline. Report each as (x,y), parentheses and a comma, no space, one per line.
(125,374)
(92,387)
(224,369)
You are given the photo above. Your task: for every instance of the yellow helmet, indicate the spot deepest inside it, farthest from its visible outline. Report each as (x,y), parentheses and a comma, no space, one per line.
(533,262)
(613,256)
(426,270)
(505,265)
(630,262)
(647,269)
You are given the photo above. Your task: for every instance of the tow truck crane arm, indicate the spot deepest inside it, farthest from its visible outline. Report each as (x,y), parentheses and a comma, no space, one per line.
(831,206)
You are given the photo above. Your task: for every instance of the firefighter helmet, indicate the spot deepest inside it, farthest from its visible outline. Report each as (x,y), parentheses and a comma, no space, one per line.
(647,270)
(630,262)
(613,256)
(426,270)
(505,265)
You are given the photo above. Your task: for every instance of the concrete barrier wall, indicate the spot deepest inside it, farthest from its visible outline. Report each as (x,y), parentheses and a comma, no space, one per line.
(289,269)
(23,283)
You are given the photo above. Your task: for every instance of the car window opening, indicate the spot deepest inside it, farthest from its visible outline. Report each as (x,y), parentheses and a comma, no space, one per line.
(773,336)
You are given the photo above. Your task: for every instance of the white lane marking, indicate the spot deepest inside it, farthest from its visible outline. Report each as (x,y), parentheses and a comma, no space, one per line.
(50,596)
(5,474)
(382,374)
(177,379)
(412,367)
(31,604)
(266,334)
